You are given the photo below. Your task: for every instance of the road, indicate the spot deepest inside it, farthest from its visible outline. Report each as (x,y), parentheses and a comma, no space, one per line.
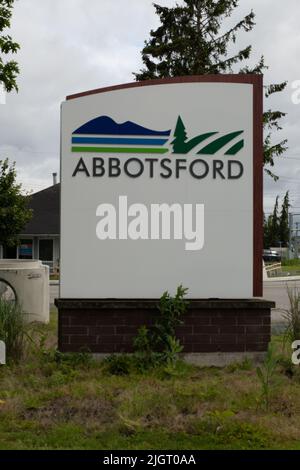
(53,293)
(278,291)
(273,290)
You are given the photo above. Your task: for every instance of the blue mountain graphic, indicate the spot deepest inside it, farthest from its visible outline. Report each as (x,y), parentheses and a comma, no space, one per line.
(106,125)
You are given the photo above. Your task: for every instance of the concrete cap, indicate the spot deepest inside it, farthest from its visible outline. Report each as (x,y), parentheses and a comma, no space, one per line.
(19,264)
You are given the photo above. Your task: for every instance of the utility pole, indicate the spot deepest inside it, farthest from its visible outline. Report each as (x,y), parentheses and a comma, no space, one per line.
(290,234)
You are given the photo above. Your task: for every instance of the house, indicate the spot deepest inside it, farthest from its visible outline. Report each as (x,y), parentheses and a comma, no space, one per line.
(41,237)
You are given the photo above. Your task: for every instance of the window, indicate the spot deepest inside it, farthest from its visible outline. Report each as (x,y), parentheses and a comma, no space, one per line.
(25,249)
(46,250)
(9,252)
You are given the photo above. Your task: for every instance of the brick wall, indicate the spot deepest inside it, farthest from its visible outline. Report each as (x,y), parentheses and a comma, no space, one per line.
(108,326)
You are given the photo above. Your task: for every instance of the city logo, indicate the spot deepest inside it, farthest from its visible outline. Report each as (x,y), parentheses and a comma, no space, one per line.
(104,135)
(110,149)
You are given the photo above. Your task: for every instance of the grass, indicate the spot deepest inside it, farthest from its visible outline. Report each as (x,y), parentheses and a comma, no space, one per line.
(291,268)
(291,262)
(54,401)
(290,265)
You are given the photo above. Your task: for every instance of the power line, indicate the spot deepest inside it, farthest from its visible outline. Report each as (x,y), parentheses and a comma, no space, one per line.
(33,153)
(288,158)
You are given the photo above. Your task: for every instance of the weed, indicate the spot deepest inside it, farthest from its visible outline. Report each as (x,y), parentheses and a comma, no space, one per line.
(216,420)
(246,364)
(223,427)
(286,366)
(69,401)
(80,359)
(118,364)
(246,434)
(68,360)
(265,375)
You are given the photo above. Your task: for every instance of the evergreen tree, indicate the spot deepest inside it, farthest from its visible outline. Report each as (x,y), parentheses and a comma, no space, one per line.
(274,225)
(267,232)
(276,228)
(14,212)
(188,42)
(284,221)
(9,69)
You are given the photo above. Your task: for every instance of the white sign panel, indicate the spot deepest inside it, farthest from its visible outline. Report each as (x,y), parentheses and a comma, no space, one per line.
(157,191)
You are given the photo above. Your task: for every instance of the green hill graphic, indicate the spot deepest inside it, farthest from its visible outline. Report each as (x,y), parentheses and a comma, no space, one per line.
(183,146)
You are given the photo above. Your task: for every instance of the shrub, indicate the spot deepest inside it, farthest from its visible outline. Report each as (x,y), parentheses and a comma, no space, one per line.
(292,315)
(156,346)
(13,329)
(159,344)
(171,311)
(145,357)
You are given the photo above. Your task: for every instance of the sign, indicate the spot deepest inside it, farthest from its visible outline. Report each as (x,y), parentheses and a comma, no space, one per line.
(161,185)
(25,249)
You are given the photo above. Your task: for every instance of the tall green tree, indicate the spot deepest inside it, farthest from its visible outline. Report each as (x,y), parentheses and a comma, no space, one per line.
(274,225)
(284,221)
(189,41)
(14,211)
(267,231)
(8,69)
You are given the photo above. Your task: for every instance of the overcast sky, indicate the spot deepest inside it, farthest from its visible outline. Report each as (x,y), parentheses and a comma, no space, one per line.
(75,45)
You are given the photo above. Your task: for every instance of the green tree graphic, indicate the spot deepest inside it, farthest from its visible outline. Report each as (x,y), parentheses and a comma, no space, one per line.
(180,137)
(180,143)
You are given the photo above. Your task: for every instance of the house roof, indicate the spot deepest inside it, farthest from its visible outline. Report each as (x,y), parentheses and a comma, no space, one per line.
(46,207)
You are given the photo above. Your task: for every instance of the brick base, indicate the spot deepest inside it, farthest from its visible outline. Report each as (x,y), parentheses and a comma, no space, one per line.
(110,325)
